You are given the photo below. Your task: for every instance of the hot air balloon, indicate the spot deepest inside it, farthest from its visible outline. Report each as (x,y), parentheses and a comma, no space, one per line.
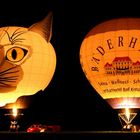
(27,60)
(110,59)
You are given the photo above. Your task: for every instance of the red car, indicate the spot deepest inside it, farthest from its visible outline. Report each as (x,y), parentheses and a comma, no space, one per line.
(43,128)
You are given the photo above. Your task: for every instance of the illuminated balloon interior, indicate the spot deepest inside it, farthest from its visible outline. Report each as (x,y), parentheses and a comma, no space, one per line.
(27,60)
(110,59)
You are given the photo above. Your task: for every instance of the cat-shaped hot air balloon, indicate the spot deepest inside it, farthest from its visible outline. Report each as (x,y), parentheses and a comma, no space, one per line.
(27,60)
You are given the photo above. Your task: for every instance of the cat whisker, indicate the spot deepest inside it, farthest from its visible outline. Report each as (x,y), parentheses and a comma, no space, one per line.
(14,38)
(4,84)
(9,72)
(17,40)
(7,80)
(17,34)
(10,77)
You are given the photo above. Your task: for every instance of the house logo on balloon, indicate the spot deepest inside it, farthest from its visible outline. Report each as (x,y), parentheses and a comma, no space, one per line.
(122,66)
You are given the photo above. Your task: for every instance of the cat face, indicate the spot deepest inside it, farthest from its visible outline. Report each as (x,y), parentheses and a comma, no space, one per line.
(27,60)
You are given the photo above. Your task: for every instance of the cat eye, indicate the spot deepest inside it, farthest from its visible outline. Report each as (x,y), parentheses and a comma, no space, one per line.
(16,54)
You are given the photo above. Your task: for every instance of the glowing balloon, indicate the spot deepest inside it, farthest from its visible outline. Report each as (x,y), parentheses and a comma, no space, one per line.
(27,60)
(110,59)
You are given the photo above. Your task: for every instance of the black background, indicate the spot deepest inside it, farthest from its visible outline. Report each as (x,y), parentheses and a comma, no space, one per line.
(69,100)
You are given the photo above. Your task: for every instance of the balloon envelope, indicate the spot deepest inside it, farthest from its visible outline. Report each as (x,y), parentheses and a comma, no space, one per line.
(110,59)
(27,60)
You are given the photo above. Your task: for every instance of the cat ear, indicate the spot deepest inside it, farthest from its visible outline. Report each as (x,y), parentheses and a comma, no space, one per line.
(44,27)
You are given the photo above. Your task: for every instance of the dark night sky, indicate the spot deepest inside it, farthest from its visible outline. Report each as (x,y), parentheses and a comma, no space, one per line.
(69,100)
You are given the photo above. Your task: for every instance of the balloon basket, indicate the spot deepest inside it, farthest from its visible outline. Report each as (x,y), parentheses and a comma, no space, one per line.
(14,117)
(126,119)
